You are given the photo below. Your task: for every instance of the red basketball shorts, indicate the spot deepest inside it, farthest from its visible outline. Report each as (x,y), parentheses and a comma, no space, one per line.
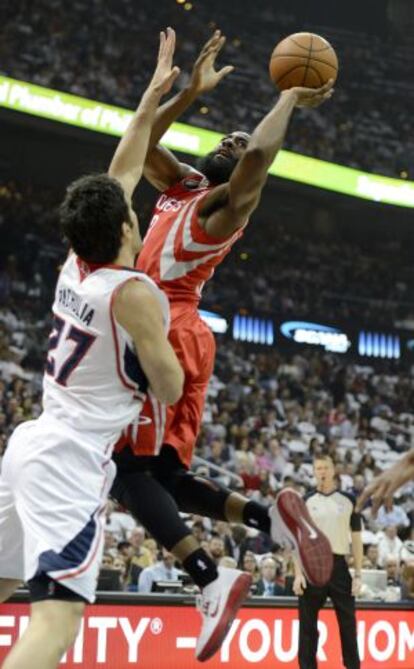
(178,425)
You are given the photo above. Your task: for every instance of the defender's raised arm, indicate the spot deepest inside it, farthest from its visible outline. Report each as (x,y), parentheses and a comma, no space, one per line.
(128,162)
(162,168)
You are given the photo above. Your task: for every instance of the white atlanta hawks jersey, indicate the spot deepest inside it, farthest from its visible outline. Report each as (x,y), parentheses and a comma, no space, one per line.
(93,380)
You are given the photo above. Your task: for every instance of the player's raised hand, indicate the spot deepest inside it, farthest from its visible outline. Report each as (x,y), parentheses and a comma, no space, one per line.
(384,486)
(312,97)
(204,76)
(165,73)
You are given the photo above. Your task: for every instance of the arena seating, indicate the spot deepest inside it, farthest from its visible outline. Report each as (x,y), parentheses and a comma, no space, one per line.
(369,124)
(267,413)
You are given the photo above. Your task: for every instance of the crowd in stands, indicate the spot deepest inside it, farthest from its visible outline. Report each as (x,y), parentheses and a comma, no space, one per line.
(266,418)
(273,270)
(280,273)
(106,52)
(267,413)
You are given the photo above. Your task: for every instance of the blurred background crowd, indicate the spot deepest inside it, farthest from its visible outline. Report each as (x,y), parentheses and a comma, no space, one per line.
(268,412)
(101,51)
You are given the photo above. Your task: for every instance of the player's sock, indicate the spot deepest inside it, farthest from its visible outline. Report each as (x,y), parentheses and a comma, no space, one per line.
(256,515)
(201,568)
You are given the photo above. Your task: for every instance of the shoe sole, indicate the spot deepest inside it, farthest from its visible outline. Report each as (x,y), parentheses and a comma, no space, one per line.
(314,552)
(238,593)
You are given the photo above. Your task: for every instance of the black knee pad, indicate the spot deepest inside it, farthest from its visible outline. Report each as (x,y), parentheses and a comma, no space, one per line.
(199,494)
(43,587)
(193,493)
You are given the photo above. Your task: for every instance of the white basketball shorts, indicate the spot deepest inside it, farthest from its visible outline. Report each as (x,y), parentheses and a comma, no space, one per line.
(53,489)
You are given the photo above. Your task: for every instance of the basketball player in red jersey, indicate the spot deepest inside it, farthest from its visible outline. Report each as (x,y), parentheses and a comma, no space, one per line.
(197,219)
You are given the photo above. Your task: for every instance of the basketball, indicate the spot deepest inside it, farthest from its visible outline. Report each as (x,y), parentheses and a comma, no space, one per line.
(303,59)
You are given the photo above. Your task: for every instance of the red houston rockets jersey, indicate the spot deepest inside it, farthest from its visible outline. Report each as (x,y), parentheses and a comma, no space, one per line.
(178,254)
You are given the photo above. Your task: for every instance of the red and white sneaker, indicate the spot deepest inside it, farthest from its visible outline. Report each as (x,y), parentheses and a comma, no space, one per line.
(292,525)
(218,605)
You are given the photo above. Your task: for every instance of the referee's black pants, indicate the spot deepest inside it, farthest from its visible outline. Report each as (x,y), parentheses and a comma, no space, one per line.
(339,589)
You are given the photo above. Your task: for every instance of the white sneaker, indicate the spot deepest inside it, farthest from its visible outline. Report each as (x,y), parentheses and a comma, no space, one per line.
(292,525)
(218,605)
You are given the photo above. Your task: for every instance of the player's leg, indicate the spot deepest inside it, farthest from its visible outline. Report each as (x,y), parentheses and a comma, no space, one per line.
(196,348)
(154,508)
(11,542)
(223,590)
(340,591)
(51,631)
(310,603)
(287,521)
(61,517)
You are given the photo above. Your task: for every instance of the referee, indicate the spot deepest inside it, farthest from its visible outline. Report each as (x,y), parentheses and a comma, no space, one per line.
(334,513)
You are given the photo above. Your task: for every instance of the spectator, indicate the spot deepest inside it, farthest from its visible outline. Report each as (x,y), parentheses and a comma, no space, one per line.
(393,572)
(199,531)
(235,542)
(389,545)
(118,522)
(151,545)
(119,564)
(141,557)
(390,514)
(266,585)
(220,457)
(250,565)
(107,561)
(407,550)
(216,548)
(408,581)
(164,570)
(109,544)
(371,557)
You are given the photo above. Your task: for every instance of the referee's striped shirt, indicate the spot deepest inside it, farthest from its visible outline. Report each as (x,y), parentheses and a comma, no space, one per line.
(334,513)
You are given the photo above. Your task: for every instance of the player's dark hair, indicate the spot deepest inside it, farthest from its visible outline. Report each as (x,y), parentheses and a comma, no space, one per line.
(91,217)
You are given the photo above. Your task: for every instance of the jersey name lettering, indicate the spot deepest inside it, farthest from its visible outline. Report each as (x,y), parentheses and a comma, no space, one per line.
(166,203)
(71,302)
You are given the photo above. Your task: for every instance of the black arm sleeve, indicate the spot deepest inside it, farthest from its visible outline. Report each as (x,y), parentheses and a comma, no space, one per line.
(356,519)
(356,522)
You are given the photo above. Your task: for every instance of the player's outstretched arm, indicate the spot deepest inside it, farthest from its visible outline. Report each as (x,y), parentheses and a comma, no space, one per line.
(242,194)
(138,311)
(384,486)
(128,162)
(162,168)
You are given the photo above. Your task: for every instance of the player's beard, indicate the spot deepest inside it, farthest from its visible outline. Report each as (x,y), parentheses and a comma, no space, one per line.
(217,168)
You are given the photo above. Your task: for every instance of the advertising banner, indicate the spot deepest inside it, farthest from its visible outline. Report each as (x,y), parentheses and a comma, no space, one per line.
(164,637)
(28,98)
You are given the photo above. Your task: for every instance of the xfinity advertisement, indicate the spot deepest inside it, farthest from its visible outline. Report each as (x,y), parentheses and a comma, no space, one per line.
(164,637)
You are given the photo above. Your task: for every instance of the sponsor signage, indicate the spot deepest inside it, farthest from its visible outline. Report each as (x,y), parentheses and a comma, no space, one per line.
(217,323)
(374,343)
(164,637)
(35,100)
(379,345)
(253,329)
(316,334)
